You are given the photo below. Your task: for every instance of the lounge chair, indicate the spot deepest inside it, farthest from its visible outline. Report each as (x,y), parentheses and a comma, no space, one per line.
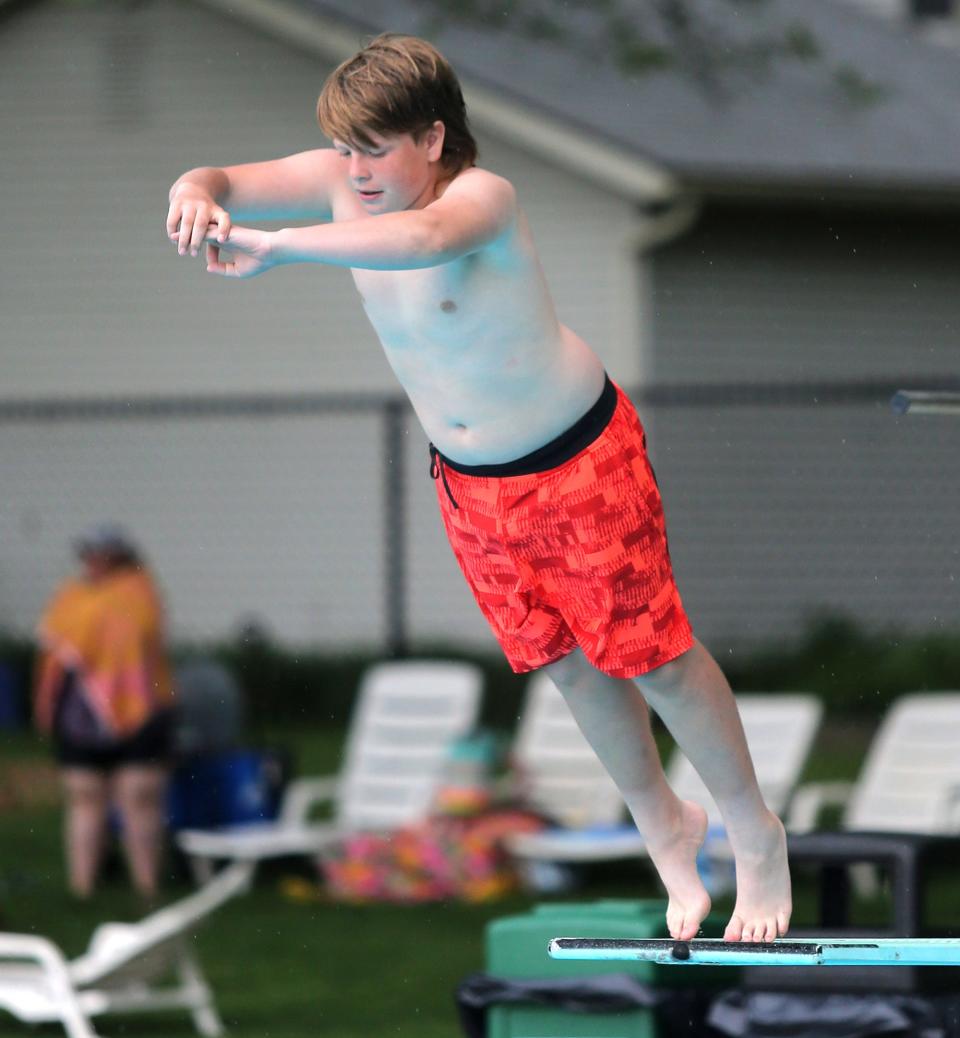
(900,819)
(909,780)
(899,813)
(147,966)
(406,716)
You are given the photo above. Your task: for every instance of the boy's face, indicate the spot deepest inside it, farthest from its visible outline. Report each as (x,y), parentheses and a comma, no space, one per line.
(399,172)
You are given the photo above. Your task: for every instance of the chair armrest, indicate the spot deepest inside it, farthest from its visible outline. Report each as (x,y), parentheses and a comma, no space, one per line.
(29,946)
(58,973)
(304,794)
(44,953)
(810,799)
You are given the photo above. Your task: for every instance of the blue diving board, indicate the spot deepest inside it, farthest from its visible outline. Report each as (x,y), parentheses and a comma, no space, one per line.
(876,951)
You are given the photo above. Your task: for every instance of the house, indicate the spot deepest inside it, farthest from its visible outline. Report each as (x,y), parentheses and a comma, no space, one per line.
(761,253)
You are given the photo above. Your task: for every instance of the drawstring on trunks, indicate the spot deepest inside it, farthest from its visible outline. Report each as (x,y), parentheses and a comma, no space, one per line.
(438,471)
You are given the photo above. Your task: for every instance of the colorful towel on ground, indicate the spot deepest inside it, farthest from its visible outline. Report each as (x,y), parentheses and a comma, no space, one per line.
(109,633)
(445,857)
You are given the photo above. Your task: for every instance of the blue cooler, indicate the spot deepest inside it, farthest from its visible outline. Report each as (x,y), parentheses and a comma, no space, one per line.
(231,787)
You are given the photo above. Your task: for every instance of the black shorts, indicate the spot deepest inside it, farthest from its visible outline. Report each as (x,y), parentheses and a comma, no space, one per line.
(152,744)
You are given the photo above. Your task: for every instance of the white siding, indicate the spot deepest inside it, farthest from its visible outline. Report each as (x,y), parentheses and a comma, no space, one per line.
(278,520)
(96,301)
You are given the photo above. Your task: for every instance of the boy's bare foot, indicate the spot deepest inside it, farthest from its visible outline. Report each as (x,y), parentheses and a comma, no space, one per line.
(763,907)
(676,862)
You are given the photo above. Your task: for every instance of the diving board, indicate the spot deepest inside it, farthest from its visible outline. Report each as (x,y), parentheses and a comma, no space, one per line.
(875,951)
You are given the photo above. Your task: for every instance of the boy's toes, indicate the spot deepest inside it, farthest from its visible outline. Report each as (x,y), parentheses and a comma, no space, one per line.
(689,928)
(734,930)
(682,927)
(757,931)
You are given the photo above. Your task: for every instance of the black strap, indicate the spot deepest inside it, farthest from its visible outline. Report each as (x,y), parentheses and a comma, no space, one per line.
(438,470)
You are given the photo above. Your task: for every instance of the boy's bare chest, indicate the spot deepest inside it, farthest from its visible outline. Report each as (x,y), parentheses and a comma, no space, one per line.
(419,307)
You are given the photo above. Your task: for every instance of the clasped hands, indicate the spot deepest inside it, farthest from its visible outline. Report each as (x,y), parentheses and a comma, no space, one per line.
(237,252)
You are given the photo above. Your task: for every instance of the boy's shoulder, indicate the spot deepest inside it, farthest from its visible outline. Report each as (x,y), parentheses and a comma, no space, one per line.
(479,182)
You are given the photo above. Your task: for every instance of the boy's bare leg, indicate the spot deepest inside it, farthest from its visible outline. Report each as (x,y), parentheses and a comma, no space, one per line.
(613,716)
(693,699)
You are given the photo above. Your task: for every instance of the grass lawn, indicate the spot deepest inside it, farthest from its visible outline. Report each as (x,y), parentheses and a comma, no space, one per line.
(284,968)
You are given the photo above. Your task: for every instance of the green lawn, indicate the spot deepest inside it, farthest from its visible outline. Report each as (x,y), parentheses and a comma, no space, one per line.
(291,968)
(279,967)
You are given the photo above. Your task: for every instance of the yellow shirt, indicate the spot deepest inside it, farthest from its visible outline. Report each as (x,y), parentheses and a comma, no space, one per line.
(110,633)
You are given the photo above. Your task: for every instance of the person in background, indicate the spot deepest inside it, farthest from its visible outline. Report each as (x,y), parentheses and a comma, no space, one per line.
(104,693)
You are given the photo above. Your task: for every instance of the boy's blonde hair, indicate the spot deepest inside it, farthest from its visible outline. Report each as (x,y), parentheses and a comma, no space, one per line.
(397,84)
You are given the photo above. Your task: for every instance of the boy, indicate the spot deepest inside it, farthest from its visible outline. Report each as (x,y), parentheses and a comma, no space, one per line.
(543,483)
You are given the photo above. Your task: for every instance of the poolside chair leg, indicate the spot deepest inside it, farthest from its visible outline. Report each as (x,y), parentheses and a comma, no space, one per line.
(201,869)
(75,1022)
(206,1019)
(865,878)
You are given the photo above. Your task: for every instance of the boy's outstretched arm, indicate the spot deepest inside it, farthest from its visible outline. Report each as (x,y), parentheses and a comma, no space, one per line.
(477,209)
(296,186)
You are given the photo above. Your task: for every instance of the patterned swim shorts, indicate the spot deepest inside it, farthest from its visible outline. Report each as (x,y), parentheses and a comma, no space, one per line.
(567,547)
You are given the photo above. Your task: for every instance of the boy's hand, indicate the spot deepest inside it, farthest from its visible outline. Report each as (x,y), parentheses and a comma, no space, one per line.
(192,211)
(250,251)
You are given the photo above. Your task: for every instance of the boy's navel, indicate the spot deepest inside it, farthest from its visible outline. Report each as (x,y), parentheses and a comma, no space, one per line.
(448,306)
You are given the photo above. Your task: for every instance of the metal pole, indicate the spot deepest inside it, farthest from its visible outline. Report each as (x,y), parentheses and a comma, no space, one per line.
(395,530)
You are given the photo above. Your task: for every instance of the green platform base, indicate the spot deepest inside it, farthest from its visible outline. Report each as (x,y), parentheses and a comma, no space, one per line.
(517,948)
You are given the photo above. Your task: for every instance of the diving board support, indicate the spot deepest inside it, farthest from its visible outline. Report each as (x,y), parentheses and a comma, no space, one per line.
(876,951)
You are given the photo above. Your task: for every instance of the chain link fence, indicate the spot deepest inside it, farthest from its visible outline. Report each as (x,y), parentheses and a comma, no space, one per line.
(313,515)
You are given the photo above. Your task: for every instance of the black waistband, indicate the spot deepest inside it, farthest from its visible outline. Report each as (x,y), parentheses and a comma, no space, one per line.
(560,449)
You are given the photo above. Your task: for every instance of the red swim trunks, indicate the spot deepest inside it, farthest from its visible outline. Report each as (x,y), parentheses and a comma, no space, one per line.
(572,553)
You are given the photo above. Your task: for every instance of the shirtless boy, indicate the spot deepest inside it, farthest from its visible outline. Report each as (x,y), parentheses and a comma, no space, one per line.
(542,478)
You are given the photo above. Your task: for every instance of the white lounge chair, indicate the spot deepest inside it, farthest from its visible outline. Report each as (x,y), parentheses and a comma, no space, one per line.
(905,800)
(148,966)
(780,729)
(406,716)
(910,779)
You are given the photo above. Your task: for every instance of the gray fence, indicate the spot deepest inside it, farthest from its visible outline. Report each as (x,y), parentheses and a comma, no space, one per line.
(313,514)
